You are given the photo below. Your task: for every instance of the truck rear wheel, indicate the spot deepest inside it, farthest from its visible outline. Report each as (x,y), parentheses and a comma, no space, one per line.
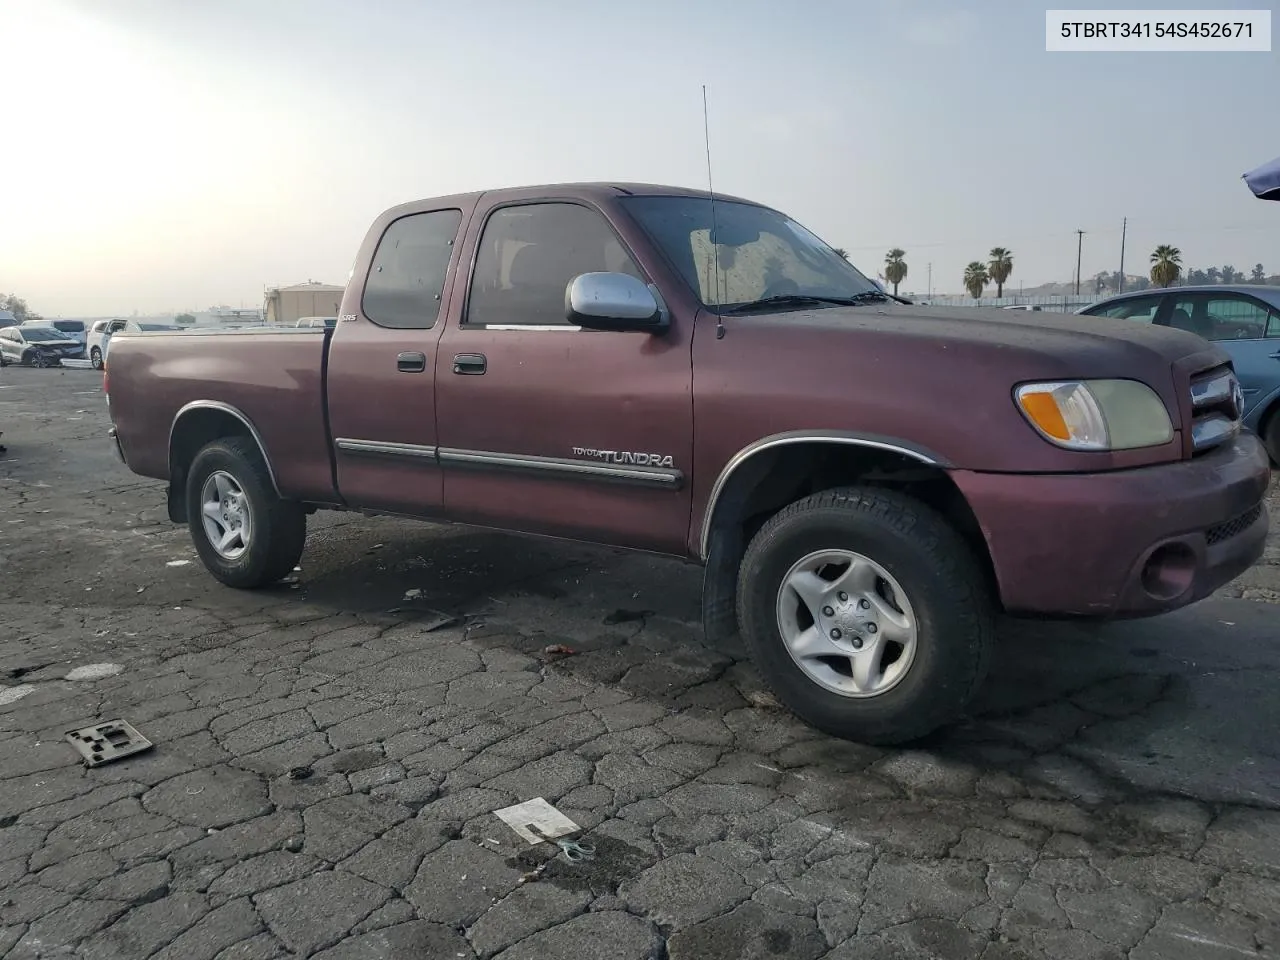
(246,535)
(866,614)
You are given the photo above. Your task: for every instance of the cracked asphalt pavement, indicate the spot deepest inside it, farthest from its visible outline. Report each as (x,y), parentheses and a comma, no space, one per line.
(328,754)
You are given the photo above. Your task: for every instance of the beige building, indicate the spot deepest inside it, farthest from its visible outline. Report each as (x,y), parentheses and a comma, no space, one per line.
(287,305)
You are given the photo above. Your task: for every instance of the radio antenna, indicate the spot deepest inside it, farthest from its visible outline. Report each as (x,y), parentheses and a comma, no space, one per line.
(715,236)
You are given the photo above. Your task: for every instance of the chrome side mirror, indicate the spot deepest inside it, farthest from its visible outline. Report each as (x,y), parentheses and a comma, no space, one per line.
(613,301)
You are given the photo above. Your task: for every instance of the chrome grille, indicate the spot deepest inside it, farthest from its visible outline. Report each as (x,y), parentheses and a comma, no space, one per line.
(1217,404)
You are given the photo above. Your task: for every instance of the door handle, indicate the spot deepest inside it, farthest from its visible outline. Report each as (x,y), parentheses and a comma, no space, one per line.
(1275,356)
(469,364)
(411,362)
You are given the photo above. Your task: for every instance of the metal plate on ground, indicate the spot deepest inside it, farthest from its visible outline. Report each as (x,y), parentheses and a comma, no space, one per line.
(536,820)
(104,742)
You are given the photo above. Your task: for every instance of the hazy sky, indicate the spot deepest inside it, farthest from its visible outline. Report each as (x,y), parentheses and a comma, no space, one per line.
(170,154)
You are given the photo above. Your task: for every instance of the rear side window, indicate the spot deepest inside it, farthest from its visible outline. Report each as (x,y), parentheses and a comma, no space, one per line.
(529,254)
(1141,309)
(406,281)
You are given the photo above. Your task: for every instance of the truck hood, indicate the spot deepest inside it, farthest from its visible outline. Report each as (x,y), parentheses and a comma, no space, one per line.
(943,378)
(1079,341)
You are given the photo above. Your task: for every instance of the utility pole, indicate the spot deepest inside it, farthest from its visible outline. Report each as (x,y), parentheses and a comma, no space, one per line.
(1079,245)
(930,280)
(1124,228)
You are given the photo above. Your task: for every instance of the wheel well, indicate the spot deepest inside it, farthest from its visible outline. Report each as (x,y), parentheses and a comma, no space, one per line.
(193,431)
(1268,416)
(772,479)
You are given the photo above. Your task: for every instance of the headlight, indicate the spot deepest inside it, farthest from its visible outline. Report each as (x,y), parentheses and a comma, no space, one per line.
(1096,414)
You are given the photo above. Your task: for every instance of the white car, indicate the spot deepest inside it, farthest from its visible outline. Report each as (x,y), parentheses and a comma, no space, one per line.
(100,335)
(75,329)
(316,322)
(1023,306)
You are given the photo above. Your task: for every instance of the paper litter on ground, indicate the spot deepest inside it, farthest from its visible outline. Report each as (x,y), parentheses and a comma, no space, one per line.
(549,821)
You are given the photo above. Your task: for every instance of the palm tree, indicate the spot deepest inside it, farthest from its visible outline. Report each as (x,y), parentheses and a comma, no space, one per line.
(1166,265)
(895,268)
(999,268)
(841,252)
(975,278)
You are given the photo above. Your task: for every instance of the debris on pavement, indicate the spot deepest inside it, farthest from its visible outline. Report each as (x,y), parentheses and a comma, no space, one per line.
(105,742)
(536,820)
(442,622)
(95,671)
(413,594)
(299,773)
(177,563)
(575,851)
(763,700)
(10,695)
(559,650)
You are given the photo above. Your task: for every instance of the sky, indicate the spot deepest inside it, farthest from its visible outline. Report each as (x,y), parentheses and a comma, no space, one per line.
(163,155)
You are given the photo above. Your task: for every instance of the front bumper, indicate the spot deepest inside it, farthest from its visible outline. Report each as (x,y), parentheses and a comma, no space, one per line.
(1128,543)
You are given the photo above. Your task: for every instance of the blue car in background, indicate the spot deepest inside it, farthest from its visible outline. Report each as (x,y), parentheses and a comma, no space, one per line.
(1243,319)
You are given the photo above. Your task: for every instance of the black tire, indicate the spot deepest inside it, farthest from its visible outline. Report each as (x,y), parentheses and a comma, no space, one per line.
(1271,436)
(937,571)
(95,357)
(279,526)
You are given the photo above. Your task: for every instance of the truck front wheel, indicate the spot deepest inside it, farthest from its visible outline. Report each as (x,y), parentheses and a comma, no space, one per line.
(246,535)
(867,614)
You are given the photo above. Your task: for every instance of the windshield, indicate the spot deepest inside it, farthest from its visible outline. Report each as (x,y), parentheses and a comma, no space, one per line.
(43,335)
(68,326)
(761,253)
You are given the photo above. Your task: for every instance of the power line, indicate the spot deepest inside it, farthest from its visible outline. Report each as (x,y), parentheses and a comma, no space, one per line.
(1103,231)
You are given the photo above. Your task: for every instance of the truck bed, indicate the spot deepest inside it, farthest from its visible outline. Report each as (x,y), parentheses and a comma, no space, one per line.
(275,374)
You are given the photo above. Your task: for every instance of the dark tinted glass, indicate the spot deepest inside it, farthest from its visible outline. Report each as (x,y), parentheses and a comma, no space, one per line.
(406,281)
(528,256)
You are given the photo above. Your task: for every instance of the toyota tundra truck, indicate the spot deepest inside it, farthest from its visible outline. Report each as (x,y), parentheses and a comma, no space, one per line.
(867,483)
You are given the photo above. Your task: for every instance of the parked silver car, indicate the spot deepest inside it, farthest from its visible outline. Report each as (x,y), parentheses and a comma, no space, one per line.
(34,345)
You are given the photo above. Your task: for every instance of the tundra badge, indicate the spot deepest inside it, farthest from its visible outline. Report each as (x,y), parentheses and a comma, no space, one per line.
(624,456)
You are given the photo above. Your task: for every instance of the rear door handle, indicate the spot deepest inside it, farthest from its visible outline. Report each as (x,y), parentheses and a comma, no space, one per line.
(411,362)
(1275,356)
(469,364)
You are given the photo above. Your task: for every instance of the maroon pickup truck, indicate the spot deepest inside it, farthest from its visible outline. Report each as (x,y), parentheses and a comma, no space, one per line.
(866,482)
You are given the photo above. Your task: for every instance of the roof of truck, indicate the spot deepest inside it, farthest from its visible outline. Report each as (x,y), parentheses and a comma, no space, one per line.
(593,190)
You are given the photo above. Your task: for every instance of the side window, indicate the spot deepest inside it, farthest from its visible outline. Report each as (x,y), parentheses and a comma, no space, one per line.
(1273,323)
(529,254)
(7,334)
(406,279)
(1236,318)
(1220,316)
(1141,309)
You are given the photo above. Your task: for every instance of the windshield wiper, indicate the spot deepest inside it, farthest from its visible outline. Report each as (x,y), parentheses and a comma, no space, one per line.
(799,300)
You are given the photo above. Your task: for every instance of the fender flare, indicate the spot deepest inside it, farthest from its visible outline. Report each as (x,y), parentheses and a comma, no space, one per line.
(226,408)
(836,437)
